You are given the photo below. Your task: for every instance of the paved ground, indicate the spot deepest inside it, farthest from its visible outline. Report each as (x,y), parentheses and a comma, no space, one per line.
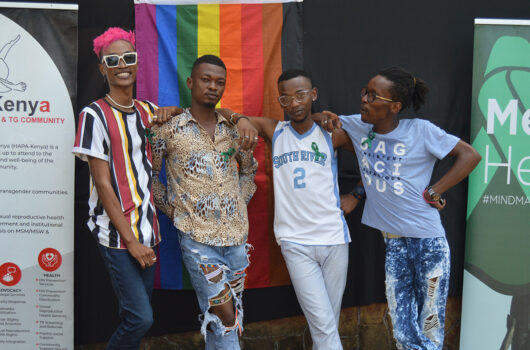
(361,328)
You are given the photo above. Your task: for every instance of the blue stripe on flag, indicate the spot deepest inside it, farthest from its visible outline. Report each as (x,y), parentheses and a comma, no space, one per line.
(170,256)
(168,95)
(166,23)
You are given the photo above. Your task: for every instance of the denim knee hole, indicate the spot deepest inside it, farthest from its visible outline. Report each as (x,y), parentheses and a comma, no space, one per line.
(432,290)
(213,273)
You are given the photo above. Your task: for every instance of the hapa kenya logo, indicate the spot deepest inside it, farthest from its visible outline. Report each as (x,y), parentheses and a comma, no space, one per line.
(6,84)
(50,259)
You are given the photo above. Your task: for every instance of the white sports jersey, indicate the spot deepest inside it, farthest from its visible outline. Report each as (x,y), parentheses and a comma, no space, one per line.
(306,193)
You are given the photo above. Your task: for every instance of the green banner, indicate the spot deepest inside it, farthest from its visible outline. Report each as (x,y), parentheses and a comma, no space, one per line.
(497,257)
(498,217)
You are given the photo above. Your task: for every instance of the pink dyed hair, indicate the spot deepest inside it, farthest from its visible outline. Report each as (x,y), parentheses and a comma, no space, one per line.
(111,35)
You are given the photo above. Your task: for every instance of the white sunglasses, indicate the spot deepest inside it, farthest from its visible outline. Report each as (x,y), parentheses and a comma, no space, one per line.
(112,61)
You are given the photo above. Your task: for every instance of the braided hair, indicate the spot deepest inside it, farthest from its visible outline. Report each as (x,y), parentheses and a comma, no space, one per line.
(406,88)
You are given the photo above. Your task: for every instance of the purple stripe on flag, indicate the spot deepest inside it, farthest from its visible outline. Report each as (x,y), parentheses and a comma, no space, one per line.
(147,47)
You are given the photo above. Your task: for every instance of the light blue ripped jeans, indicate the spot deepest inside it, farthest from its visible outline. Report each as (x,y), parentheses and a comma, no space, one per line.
(417,282)
(228,264)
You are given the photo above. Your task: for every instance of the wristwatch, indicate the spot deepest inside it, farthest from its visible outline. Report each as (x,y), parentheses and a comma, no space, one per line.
(435,197)
(358,192)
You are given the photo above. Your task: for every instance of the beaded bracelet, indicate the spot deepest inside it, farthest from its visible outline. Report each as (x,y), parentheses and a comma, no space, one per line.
(240,116)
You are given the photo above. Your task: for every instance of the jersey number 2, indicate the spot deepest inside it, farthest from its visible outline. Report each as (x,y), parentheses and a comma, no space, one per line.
(298,180)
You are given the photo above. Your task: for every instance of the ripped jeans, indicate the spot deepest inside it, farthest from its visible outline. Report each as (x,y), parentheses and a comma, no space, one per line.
(217,274)
(417,282)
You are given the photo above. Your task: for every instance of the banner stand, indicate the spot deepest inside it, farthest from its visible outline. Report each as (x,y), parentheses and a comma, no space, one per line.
(496,295)
(38,64)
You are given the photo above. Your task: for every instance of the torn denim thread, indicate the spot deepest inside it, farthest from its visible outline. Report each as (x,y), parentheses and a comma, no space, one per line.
(218,296)
(218,276)
(417,282)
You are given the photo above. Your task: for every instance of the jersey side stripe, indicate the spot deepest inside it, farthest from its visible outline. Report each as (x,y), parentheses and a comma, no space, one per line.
(276,134)
(334,169)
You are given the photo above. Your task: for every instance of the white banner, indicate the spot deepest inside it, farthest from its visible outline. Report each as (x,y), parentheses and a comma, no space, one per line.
(37,130)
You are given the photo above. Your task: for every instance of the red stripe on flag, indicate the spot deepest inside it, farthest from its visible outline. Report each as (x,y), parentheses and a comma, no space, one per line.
(252,58)
(272,58)
(259,273)
(253,79)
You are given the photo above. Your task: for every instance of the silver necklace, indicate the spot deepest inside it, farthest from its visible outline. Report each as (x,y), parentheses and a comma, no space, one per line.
(117,104)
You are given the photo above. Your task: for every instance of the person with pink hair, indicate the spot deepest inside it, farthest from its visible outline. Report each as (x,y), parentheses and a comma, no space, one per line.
(114,138)
(111,35)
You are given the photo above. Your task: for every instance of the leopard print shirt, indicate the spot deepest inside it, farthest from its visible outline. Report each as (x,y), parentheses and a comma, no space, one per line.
(209,183)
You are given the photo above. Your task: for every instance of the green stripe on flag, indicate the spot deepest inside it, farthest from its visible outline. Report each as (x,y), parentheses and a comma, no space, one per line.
(186,49)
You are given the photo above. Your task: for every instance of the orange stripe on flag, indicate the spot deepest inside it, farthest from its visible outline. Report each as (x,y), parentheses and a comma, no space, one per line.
(230,52)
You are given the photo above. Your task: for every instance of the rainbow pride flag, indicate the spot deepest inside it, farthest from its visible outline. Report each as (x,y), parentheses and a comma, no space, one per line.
(256,40)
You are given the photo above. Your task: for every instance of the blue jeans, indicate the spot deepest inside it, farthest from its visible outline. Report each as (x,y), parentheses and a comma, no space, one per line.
(133,287)
(228,265)
(417,282)
(318,274)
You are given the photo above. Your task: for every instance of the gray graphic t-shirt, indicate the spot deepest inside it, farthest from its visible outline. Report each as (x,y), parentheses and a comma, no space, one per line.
(395,170)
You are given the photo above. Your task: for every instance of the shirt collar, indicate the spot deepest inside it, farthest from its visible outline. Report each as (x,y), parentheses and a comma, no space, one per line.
(189,118)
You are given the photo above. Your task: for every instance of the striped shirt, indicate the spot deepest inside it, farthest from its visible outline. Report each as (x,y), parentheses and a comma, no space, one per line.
(118,137)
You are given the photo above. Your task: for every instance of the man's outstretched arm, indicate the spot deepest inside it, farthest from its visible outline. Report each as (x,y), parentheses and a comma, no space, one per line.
(339,136)
(263,126)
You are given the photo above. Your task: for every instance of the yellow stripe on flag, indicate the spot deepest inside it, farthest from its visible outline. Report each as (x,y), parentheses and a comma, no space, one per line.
(208,31)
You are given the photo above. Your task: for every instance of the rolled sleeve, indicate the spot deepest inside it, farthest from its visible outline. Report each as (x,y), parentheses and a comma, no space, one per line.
(159,151)
(247,171)
(92,138)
